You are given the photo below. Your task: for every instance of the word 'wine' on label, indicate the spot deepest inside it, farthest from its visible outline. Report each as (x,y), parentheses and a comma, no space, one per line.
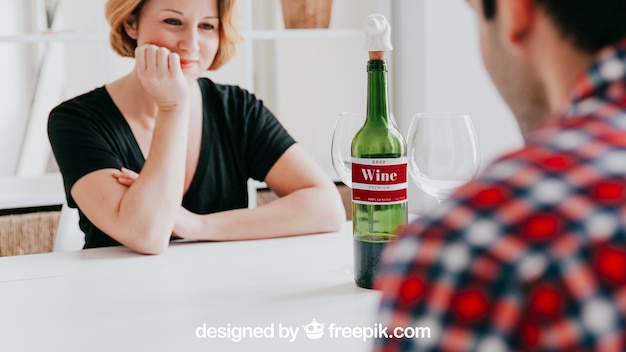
(379,181)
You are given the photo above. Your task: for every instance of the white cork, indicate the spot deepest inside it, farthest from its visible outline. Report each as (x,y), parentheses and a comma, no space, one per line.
(378,35)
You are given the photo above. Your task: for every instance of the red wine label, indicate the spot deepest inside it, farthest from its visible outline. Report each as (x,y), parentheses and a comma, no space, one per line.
(379,181)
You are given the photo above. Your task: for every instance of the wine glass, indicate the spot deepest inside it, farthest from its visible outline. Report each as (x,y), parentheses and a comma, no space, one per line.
(348,124)
(443,152)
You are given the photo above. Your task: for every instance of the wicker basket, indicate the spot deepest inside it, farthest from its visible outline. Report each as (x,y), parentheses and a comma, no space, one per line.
(306,13)
(28,233)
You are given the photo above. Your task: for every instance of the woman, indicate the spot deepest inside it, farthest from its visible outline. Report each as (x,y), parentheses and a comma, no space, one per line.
(133,151)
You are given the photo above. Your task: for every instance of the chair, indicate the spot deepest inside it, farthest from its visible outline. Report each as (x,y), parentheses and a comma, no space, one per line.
(68,237)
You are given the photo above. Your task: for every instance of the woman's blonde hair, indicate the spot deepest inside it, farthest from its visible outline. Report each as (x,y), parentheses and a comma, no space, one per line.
(117,12)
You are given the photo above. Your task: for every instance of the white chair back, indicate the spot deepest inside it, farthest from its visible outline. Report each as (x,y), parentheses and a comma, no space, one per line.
(69,237)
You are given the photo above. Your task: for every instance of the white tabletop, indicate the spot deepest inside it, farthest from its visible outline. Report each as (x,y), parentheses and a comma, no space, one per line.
(111,299)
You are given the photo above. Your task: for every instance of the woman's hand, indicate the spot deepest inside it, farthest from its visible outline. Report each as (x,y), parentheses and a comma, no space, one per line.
(125,176)
(161,76)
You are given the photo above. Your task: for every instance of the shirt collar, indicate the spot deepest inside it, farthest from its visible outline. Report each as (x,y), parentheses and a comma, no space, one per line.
(608,68)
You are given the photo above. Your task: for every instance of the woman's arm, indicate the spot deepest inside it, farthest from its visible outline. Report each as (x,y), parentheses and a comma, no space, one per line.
(309,203)
(143,215)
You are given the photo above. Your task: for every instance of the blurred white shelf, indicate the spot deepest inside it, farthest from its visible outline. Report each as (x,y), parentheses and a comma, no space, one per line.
(320,33)
(25,192)
(270,34)
(54,37)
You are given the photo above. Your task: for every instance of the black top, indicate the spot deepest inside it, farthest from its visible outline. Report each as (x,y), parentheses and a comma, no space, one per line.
(241,139)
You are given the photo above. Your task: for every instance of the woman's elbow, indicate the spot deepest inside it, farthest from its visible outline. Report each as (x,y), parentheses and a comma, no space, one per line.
(335,215)
(147,242)
(149,250)
(337,220)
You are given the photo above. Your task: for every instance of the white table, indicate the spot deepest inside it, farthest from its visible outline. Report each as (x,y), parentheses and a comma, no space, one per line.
(111,299)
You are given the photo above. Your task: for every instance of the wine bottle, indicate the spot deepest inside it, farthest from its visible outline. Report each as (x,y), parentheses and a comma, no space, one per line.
(379,165)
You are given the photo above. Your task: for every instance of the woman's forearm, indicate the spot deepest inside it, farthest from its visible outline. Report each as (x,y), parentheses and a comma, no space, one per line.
(305,211)
(149,207)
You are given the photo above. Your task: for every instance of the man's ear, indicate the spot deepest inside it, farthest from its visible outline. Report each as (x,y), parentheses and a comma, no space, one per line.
(130,26)
(516,18)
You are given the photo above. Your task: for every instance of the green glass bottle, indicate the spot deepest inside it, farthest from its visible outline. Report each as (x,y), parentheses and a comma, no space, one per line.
(379,178)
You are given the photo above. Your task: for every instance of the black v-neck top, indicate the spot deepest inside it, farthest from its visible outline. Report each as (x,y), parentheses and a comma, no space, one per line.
(241,139)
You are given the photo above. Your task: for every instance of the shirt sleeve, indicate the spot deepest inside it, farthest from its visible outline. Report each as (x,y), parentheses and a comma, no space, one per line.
(266,138)
(78,144)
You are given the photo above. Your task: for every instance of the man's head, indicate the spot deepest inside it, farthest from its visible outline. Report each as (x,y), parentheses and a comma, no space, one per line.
(589,24)
(534,49)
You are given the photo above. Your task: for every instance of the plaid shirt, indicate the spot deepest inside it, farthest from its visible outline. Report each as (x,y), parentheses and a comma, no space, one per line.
(532,254)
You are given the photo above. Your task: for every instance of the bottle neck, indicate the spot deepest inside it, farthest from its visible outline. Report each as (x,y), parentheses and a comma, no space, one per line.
(377,96)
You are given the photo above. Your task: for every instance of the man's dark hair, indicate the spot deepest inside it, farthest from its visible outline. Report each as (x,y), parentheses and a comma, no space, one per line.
(589,24)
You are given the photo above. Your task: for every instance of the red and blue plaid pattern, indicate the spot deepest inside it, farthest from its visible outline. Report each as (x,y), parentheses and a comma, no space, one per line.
(532,254)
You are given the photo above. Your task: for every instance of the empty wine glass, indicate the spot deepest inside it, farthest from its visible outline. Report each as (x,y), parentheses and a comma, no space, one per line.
(348,124)
(443,152)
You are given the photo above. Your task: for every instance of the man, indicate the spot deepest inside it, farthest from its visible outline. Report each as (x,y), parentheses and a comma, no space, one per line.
(532,254)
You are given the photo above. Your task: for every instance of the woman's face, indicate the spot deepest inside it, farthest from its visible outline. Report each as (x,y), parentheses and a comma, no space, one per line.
(187,27)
